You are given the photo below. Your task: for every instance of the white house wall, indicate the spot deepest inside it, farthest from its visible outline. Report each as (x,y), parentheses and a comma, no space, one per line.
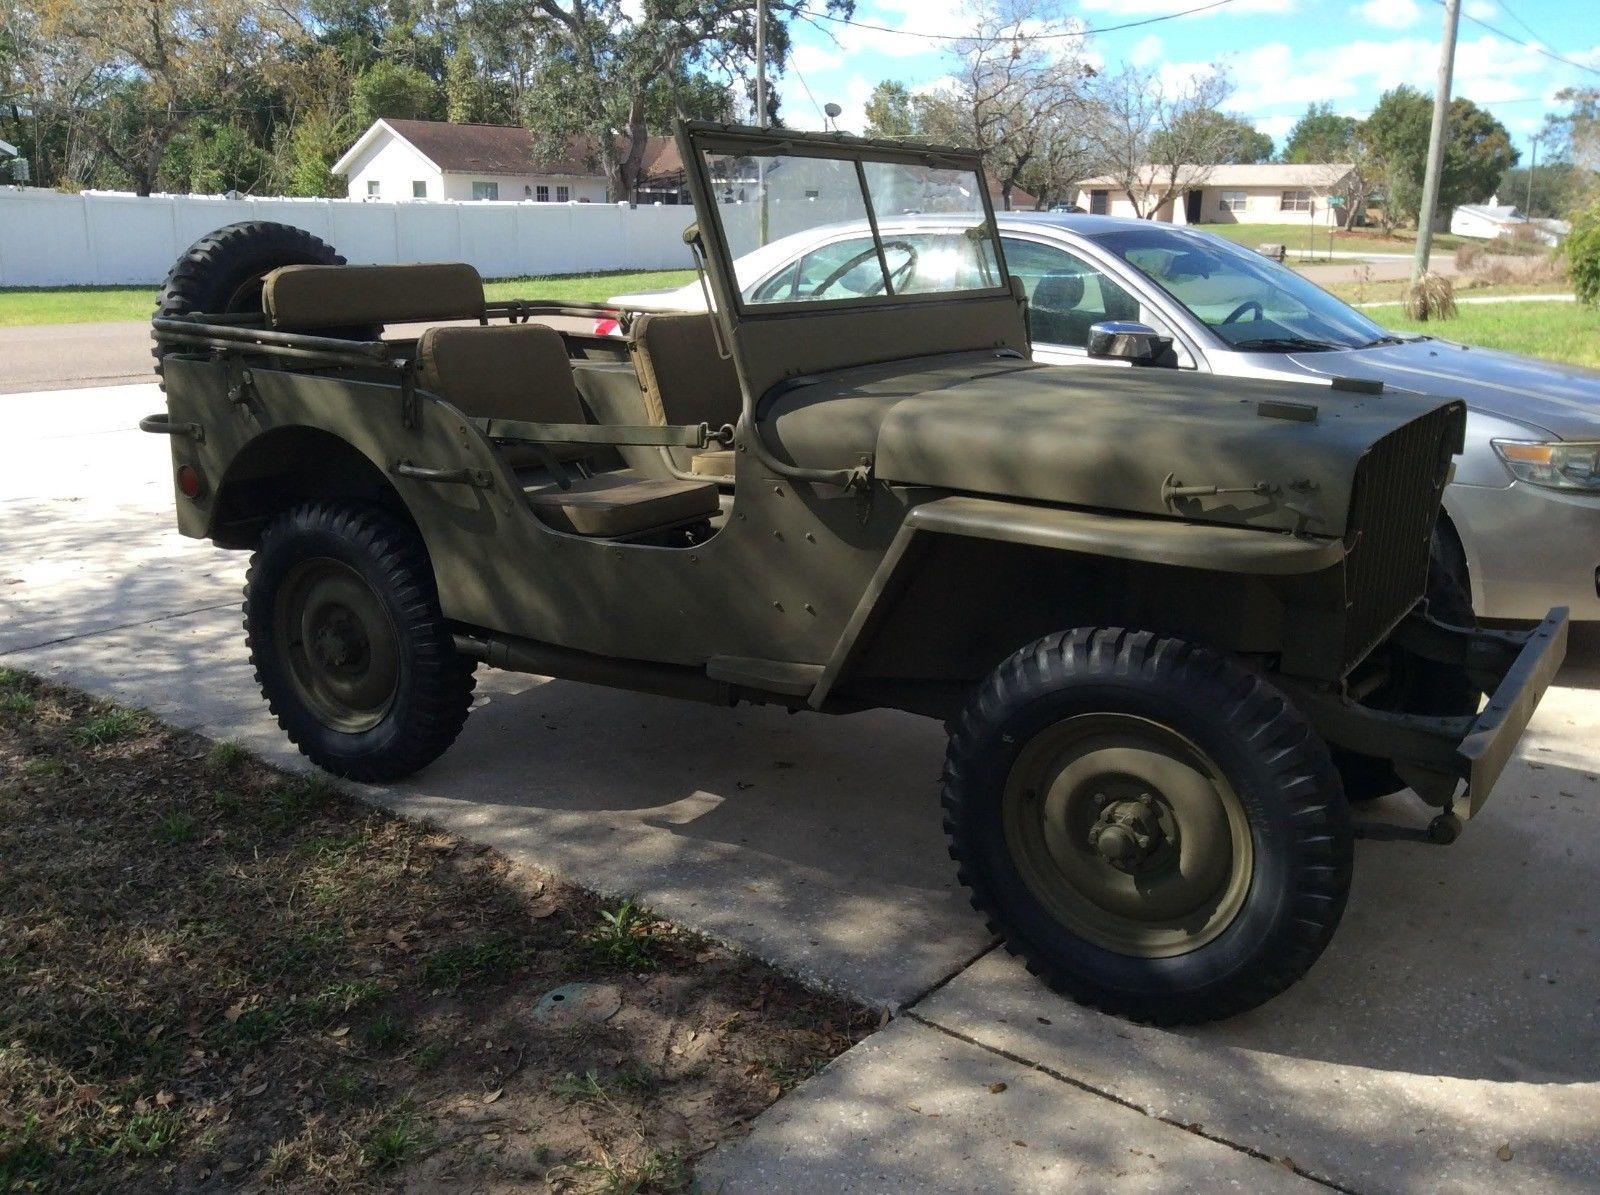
(1263,206)
(99,239)
(458,185)
(394,165)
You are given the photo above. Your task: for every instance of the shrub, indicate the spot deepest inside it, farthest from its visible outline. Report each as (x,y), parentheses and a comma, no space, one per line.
(1469,254)
(1583,255)
(1430,297)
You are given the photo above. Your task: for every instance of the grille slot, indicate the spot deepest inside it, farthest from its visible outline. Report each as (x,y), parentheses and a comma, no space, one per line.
(1395,502)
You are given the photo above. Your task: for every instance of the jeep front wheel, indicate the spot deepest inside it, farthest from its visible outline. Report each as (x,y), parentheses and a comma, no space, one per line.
(349,646)
(1149,824)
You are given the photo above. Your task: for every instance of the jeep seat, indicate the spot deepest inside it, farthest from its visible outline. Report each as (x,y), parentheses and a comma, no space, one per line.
(685,380)
(521,371)
(297,298)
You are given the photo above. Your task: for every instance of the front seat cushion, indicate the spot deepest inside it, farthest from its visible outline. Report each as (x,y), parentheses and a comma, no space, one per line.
(613,504)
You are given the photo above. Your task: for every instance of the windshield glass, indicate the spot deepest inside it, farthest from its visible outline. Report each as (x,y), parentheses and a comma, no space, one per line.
(764,197)
(1247,300)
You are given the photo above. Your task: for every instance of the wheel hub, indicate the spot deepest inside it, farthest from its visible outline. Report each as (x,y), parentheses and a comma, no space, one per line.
(1132,835)
(339,642)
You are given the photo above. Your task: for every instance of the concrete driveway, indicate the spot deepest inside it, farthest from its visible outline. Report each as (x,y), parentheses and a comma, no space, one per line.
(1449,1039)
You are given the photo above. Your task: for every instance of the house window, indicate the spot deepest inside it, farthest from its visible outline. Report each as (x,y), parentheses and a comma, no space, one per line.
(1233,201)
(542,194)
(563,194)
(372,188)
(1099,202)
(486,190)
(1295,201)
(419,189)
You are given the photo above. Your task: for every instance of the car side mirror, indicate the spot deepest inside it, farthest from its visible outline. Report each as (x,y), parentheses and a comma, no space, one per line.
(1126,340)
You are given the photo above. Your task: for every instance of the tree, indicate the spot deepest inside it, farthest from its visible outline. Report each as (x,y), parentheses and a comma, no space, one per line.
(1477,150)
(1321,136)
(1154,139)
(397,91)
(608,70)
(1008,94)
(1237,141)
(163,62)
(1582,248)
(889,111)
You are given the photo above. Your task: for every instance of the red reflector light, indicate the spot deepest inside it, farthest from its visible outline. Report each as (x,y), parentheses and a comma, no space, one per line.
(605,327)
(190,482)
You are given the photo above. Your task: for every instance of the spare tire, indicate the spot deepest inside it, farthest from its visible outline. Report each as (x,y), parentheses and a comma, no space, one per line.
(221,273)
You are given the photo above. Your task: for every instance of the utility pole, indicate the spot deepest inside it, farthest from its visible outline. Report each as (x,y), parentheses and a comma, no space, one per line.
(761,63)
(1527,205)
(1441,112)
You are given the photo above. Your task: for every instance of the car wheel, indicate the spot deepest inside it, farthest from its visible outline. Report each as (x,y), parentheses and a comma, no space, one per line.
(1152,827)
(348,643)
(1415,685)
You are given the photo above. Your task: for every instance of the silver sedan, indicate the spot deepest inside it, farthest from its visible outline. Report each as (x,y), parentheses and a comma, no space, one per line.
(1521,524)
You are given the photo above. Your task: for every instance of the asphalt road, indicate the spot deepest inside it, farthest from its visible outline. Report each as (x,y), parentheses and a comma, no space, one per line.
(70,356)
(1449,1039)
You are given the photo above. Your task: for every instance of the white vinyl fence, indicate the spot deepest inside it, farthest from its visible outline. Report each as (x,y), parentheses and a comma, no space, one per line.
(105,238)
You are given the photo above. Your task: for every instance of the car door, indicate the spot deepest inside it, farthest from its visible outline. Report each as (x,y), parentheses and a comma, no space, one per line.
(1067,295)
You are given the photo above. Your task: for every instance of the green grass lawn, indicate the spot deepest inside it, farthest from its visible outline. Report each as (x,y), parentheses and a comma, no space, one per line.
(1390,291)
(1558,331)
(95,304)
(1301,237)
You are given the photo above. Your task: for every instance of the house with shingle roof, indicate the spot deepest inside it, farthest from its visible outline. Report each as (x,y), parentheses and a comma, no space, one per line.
(1265,193)
(434,159)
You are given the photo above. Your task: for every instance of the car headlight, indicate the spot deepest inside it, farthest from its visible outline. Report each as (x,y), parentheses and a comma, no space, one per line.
(1561,465)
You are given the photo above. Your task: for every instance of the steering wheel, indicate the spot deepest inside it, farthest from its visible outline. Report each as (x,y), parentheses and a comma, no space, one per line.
(896,276)
(1247,305)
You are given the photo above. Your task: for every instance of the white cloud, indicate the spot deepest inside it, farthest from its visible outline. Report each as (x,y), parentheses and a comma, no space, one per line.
(1480,10)
(1276,127)
(1161,8)
(1148,49)
(1390,14)
(808,58)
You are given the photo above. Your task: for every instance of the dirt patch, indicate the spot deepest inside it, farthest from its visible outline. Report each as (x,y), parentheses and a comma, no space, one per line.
(214,974)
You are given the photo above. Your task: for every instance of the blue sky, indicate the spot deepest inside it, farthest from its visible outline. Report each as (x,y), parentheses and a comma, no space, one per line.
(1281,54)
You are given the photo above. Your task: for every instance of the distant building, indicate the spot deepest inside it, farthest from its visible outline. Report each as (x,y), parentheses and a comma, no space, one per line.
(1486,221)
(433,159)
(1268,193)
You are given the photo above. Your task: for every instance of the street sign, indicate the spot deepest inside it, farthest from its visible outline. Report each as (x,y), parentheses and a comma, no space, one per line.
(1336,201)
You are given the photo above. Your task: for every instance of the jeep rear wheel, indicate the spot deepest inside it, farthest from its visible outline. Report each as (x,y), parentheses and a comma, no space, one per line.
(349,646)
(1151,826)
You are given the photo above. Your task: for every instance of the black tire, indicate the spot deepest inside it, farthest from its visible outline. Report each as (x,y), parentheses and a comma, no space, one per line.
(1419,686)
(1299,829)
(221,273)
(415,687)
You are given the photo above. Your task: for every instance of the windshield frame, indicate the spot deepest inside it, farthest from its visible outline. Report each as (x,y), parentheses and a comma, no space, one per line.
(700,139)
(1104,240)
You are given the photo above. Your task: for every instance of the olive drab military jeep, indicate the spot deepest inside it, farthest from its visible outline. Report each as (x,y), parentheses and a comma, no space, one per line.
(1177,625)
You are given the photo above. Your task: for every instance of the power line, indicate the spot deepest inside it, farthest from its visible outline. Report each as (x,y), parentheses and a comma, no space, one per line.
(1021,37)
(1517,41)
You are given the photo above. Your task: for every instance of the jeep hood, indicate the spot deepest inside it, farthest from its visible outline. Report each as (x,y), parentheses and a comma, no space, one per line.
(1107,439)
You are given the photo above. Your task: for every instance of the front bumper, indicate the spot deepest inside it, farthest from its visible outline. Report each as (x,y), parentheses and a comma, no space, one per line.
(1528,549)
(1436,754)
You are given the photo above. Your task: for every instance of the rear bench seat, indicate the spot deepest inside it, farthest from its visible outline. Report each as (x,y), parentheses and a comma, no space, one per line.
(521,371)
(504,371)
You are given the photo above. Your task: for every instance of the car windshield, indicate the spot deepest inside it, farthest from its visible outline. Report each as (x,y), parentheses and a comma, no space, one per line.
(762,197)
(1248,301)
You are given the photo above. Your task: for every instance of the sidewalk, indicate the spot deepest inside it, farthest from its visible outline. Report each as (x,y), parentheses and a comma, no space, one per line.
(1450,1038)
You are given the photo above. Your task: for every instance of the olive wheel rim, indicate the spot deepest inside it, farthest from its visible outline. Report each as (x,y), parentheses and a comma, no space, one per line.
(1128,834)
(338,645)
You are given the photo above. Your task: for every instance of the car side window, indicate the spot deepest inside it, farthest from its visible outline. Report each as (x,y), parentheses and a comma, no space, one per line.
(841,270)
(1066,295)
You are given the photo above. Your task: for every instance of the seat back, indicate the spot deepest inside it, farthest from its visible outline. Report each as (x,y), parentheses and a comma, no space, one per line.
(685,380)
(296,298)
(504,371)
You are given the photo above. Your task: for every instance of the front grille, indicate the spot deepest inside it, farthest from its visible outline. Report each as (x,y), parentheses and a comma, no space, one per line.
(1392,510)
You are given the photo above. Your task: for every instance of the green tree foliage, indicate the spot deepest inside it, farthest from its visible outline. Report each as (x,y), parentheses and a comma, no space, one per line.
(307,151)
(889,111)
(1239,142)
(1582,248)
(1477,150)
(1558,188)
(211,158)
(1320,136)
(395,90)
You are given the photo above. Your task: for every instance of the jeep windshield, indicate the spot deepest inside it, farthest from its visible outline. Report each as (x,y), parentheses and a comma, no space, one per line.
(769,189)
(1247,301)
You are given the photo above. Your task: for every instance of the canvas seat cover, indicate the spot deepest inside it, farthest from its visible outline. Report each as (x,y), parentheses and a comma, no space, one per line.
(686,381)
